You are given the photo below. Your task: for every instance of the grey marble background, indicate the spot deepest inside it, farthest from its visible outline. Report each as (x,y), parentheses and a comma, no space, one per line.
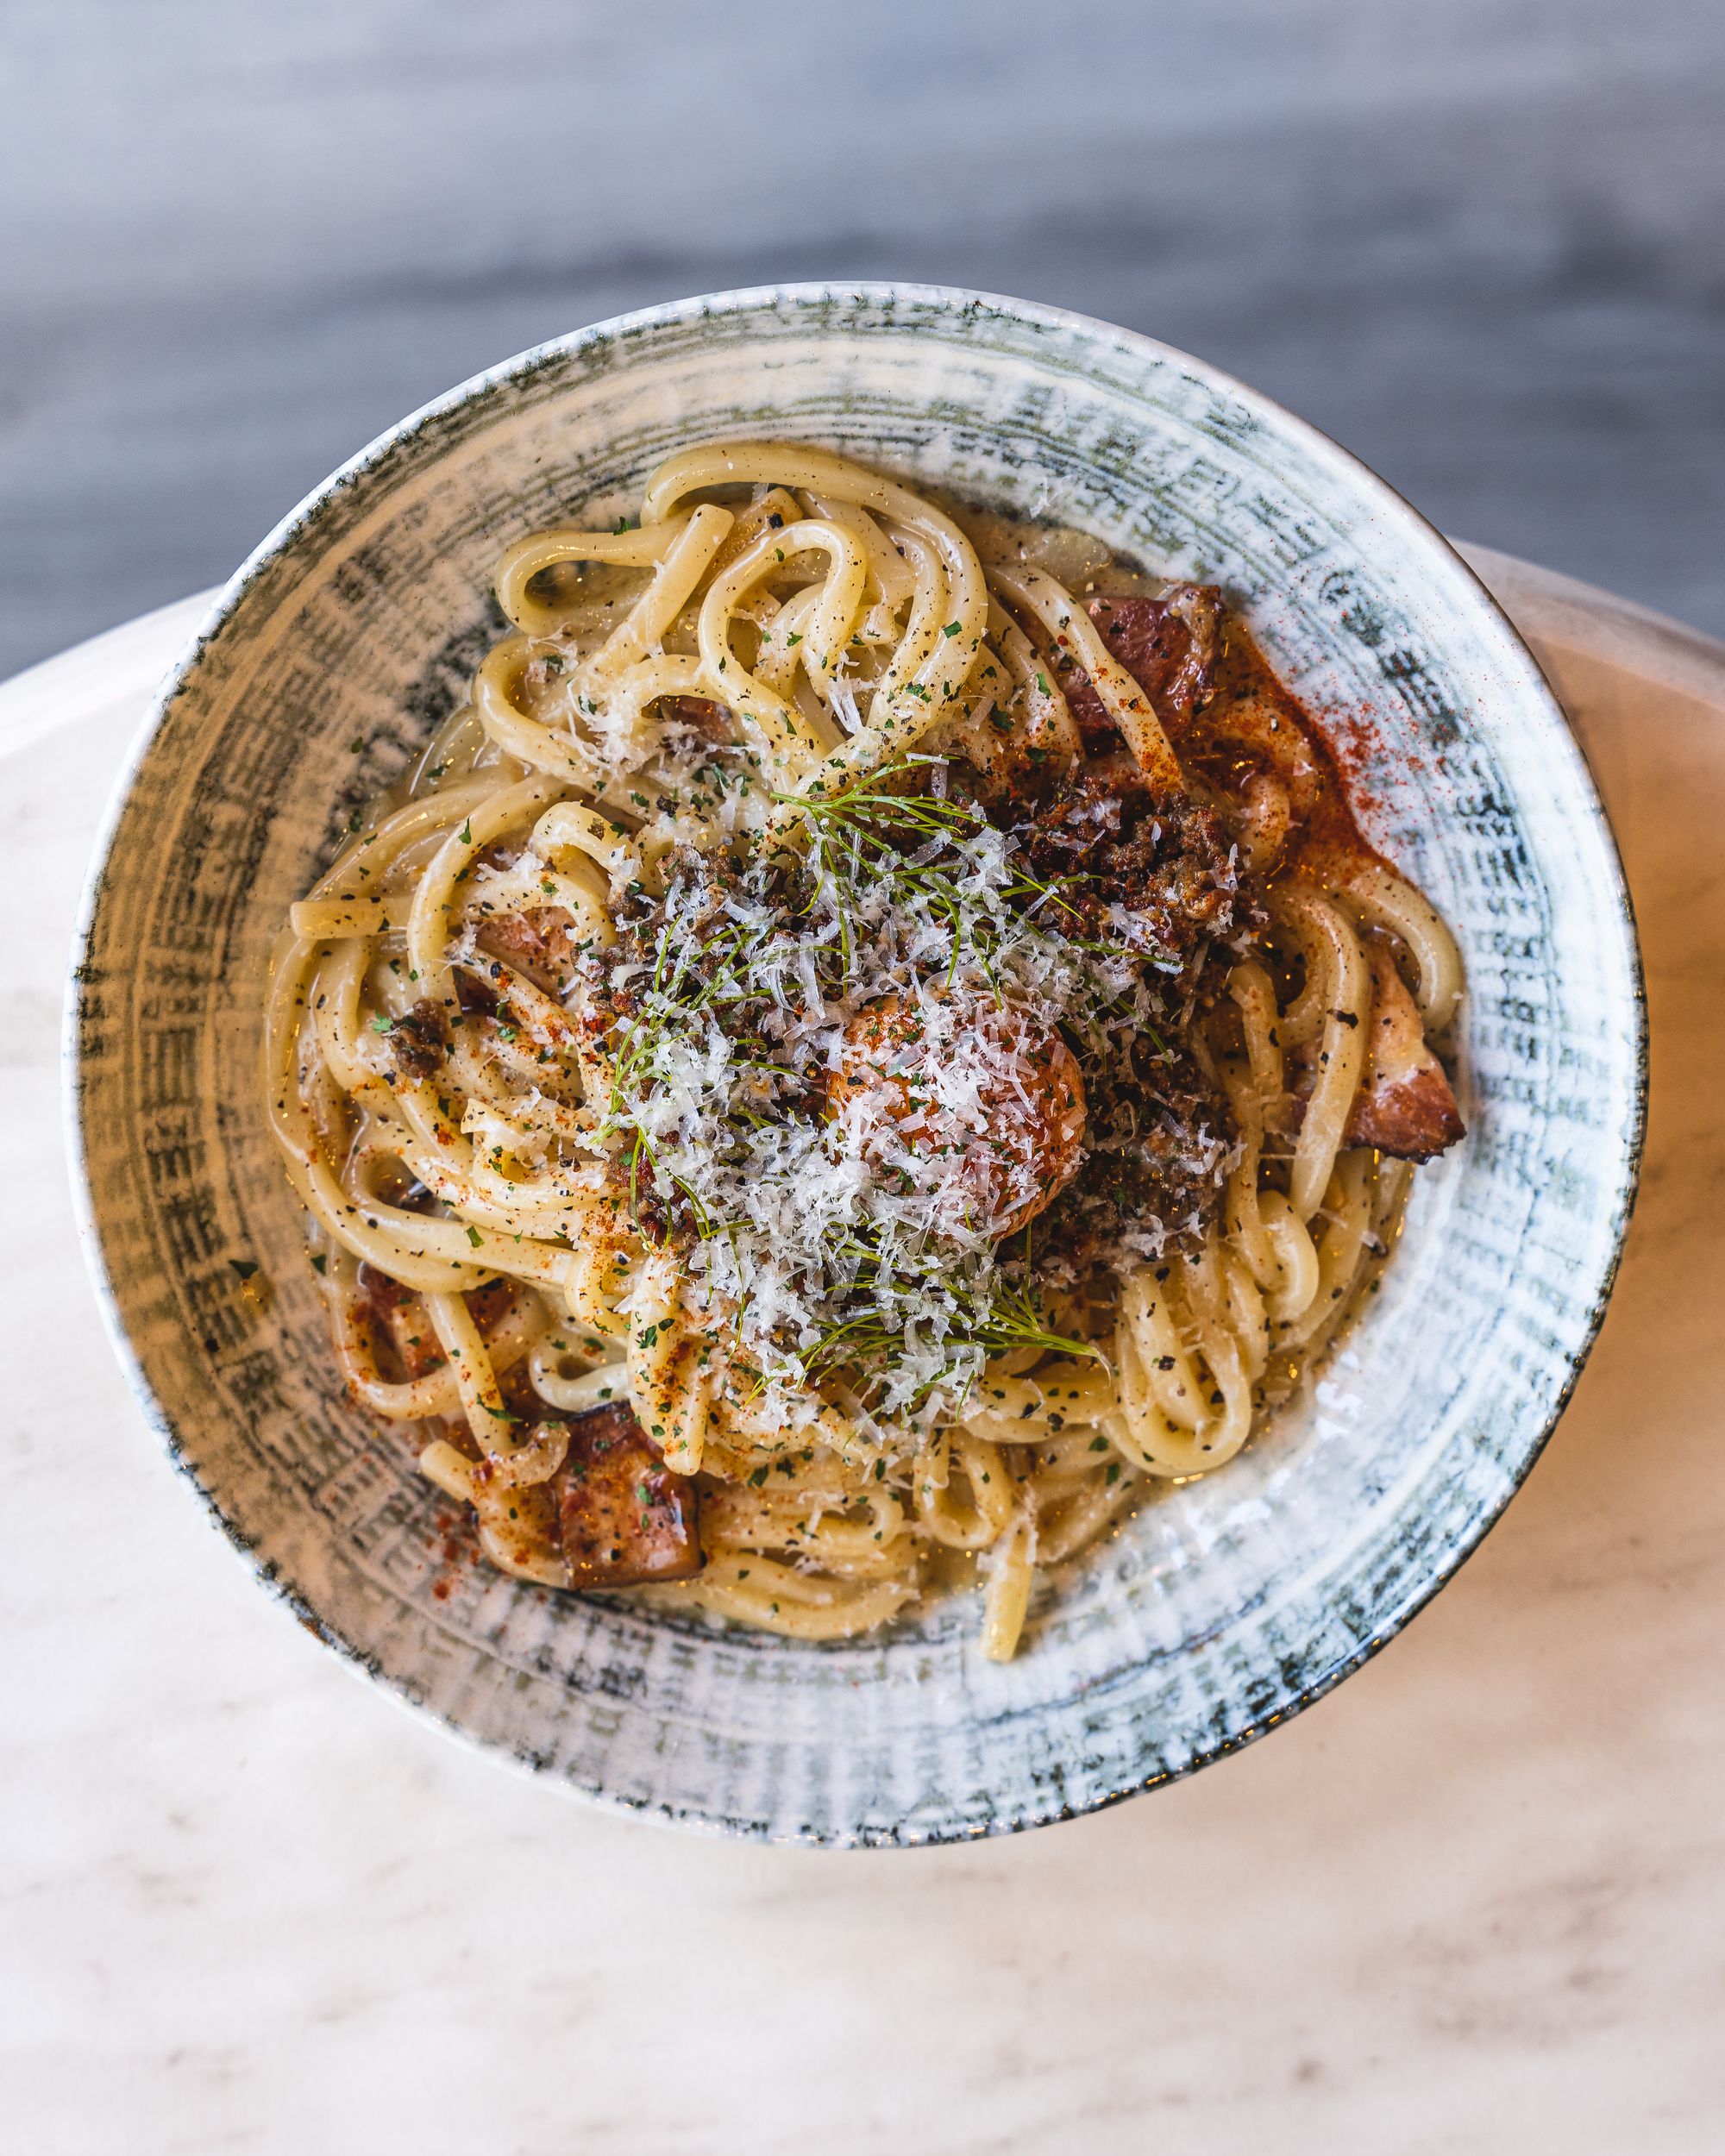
(1482,241)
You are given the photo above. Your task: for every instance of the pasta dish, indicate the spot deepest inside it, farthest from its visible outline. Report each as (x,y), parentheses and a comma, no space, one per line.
(869,1039)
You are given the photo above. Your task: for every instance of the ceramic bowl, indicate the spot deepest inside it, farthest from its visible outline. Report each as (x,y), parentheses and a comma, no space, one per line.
(1223,1607)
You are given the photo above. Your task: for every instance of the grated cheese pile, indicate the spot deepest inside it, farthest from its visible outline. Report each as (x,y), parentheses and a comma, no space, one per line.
(834,1245)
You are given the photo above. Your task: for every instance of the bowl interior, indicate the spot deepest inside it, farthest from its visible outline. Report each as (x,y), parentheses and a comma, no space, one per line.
(1223,1605)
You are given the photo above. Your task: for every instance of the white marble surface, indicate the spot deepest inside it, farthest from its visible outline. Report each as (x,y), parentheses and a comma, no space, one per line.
(1475,1901)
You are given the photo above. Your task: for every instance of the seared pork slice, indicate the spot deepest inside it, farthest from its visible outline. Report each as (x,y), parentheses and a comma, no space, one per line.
(539,942)
(625,1518)
(1404,1106)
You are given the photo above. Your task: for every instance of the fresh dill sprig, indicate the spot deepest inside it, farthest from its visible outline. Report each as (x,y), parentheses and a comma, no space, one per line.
(994,1317)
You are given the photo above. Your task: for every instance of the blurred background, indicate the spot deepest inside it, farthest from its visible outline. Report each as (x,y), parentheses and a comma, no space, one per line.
(1481,242)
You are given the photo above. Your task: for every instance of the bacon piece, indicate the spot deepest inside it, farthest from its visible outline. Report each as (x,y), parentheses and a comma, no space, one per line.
(474,995)
(501,853)
(400,1320)
(1404,1106)
(625,1518)
(1168,645)
(402,1326)
(539,942)
(701,715)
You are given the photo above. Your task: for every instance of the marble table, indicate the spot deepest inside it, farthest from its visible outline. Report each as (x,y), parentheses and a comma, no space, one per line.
(1476,1901)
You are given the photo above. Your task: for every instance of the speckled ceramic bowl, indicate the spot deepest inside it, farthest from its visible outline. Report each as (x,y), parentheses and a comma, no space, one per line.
(1221,1609)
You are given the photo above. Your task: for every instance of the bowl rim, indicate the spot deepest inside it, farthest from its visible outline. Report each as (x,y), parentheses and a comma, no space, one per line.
(519,369)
